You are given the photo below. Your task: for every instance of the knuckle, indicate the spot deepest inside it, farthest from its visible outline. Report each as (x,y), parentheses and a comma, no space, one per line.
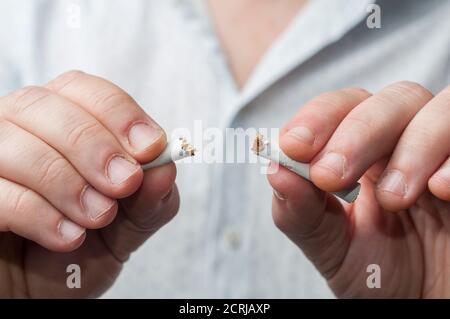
(83,132)
(52,169)
(72,73)
(358,92)
(409,85)
(64,79)
(360,122)
(20,201)
(411,89)
(23,99)
(107,99)
(325,97)
(6,130)
(25,91)
(330,99)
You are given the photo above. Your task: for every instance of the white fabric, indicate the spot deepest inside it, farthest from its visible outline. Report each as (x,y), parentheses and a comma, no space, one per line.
(164,53)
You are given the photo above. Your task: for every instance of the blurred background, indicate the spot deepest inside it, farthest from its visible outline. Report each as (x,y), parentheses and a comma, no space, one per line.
(173,58)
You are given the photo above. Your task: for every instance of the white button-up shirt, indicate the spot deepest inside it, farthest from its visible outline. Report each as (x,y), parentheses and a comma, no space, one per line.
(165,54)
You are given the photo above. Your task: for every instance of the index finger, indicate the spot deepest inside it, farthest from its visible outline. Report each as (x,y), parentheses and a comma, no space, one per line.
(138,133)
(311,128)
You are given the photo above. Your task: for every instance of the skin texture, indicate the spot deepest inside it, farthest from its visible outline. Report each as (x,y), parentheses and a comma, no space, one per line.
(247,28)
(65,155)
(70,178)
(402,225)
(56,141)
(399,129)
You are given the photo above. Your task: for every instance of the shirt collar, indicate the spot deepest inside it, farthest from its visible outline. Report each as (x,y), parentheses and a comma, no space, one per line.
(319,24)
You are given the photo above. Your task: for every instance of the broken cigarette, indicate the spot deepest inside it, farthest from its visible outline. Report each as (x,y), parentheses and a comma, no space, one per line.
(175,150)
(271,151)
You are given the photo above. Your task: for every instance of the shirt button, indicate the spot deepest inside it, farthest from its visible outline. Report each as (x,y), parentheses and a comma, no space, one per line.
(233,239)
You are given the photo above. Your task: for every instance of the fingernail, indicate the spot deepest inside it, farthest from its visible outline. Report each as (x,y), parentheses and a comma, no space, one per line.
(393,181)
(119,169)
(279,195)
(142,135)
(95,204)
(70,231)
(302,134)
(334,162)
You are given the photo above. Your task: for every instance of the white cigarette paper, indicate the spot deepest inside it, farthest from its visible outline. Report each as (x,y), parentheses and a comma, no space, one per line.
(271,151)
(175,150)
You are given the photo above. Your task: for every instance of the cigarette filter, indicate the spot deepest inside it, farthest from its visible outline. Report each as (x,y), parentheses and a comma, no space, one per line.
(271,151)
(174,151)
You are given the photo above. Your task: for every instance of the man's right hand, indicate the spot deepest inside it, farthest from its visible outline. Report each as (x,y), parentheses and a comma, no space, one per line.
(70,161)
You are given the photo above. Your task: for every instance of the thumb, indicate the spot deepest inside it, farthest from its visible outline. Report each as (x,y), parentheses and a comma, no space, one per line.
(143,213)
(314,220)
